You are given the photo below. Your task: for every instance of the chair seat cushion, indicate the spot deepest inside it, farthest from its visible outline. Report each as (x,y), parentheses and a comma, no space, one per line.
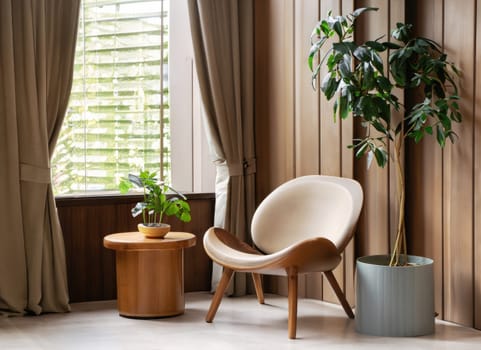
(316,254)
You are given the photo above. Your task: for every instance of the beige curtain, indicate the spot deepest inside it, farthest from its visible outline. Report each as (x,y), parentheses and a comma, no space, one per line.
(222,34)
(37,46)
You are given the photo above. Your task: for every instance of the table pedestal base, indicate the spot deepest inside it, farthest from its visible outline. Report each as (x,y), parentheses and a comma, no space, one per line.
(150,283)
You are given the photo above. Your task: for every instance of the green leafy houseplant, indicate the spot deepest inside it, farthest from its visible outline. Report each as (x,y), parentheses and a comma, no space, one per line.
(363,85)
(156,202)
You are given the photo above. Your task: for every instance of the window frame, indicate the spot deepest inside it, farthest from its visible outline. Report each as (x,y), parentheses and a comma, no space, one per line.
(192,168)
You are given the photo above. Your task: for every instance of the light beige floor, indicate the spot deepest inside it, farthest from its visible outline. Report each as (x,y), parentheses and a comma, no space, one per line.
(240,323)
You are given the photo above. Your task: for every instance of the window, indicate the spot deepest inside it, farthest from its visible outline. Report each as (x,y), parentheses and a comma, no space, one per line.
(135,101)
(118,115)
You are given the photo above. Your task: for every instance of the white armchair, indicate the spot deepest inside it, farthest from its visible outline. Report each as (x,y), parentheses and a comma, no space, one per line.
(302,226)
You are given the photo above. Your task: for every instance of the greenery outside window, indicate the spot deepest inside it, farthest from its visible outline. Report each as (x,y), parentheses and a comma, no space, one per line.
(118,116)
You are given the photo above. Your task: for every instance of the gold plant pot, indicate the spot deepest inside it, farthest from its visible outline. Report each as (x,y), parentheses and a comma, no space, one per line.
(154,230)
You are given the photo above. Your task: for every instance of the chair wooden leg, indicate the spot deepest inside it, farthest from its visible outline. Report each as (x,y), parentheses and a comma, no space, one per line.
(292,300)
(258,286)
(219,293)
(340,295)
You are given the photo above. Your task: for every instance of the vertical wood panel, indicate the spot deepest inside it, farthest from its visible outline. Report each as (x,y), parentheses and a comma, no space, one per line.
(424,167)
(396,14)
(347,170)
(330,133)
(274,101)
(458,162)
(373,226)
(477,172)
(306,15)
(330,146)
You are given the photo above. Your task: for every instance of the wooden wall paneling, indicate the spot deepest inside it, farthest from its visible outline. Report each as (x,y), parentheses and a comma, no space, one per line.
(274,102)
(477,171)
(330,130)
(373,225)
(424,166)
(99,220)
(444,194)
(274,89)
(396,14)
(83,231)
(330,146)
(347,170)
(306,118)
(458,169)
(91,267)
(306,15)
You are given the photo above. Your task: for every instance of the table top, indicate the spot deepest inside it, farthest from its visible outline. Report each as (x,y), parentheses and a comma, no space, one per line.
(137,241)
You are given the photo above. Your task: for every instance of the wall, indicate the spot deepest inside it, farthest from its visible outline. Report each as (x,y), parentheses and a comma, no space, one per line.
(91,267)
(292,138)
(445,201)
(295,136)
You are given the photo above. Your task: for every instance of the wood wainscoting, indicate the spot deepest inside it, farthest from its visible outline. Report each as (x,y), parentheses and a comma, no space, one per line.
(295,136)
(91,267)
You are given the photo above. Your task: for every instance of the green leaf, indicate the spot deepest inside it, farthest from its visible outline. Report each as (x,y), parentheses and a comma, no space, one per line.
(184,205)
(185,217)
(343,106)
(457,117)
(139,207)
(390,45)
(332,60)
(137,180)
(402,32)
(379,126)
(362,149)
(329,85)
(172,209)
(440,137)
(362,53)
(345,69)
(125,186)
(342,47)
(384,83)
(377,62)
(314,50)
(337,28)
(381,156)
(325,28)
(368,77)
(376,46)
(361,10)
(418,135)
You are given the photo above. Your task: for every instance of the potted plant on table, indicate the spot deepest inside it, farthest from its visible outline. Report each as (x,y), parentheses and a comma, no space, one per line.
(358,78)
(156,203)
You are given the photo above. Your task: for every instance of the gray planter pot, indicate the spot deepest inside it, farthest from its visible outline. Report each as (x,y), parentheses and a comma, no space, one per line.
(394,301)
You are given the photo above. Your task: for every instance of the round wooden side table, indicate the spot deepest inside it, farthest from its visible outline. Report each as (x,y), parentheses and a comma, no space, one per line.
(150,273)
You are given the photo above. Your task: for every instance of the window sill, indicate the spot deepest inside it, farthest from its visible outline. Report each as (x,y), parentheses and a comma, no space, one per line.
(103,198)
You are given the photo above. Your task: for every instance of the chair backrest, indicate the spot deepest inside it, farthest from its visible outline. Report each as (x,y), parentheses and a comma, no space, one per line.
(308,207)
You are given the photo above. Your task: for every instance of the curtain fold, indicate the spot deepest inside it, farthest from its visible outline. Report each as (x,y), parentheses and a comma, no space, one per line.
(37,49)
(222,34)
